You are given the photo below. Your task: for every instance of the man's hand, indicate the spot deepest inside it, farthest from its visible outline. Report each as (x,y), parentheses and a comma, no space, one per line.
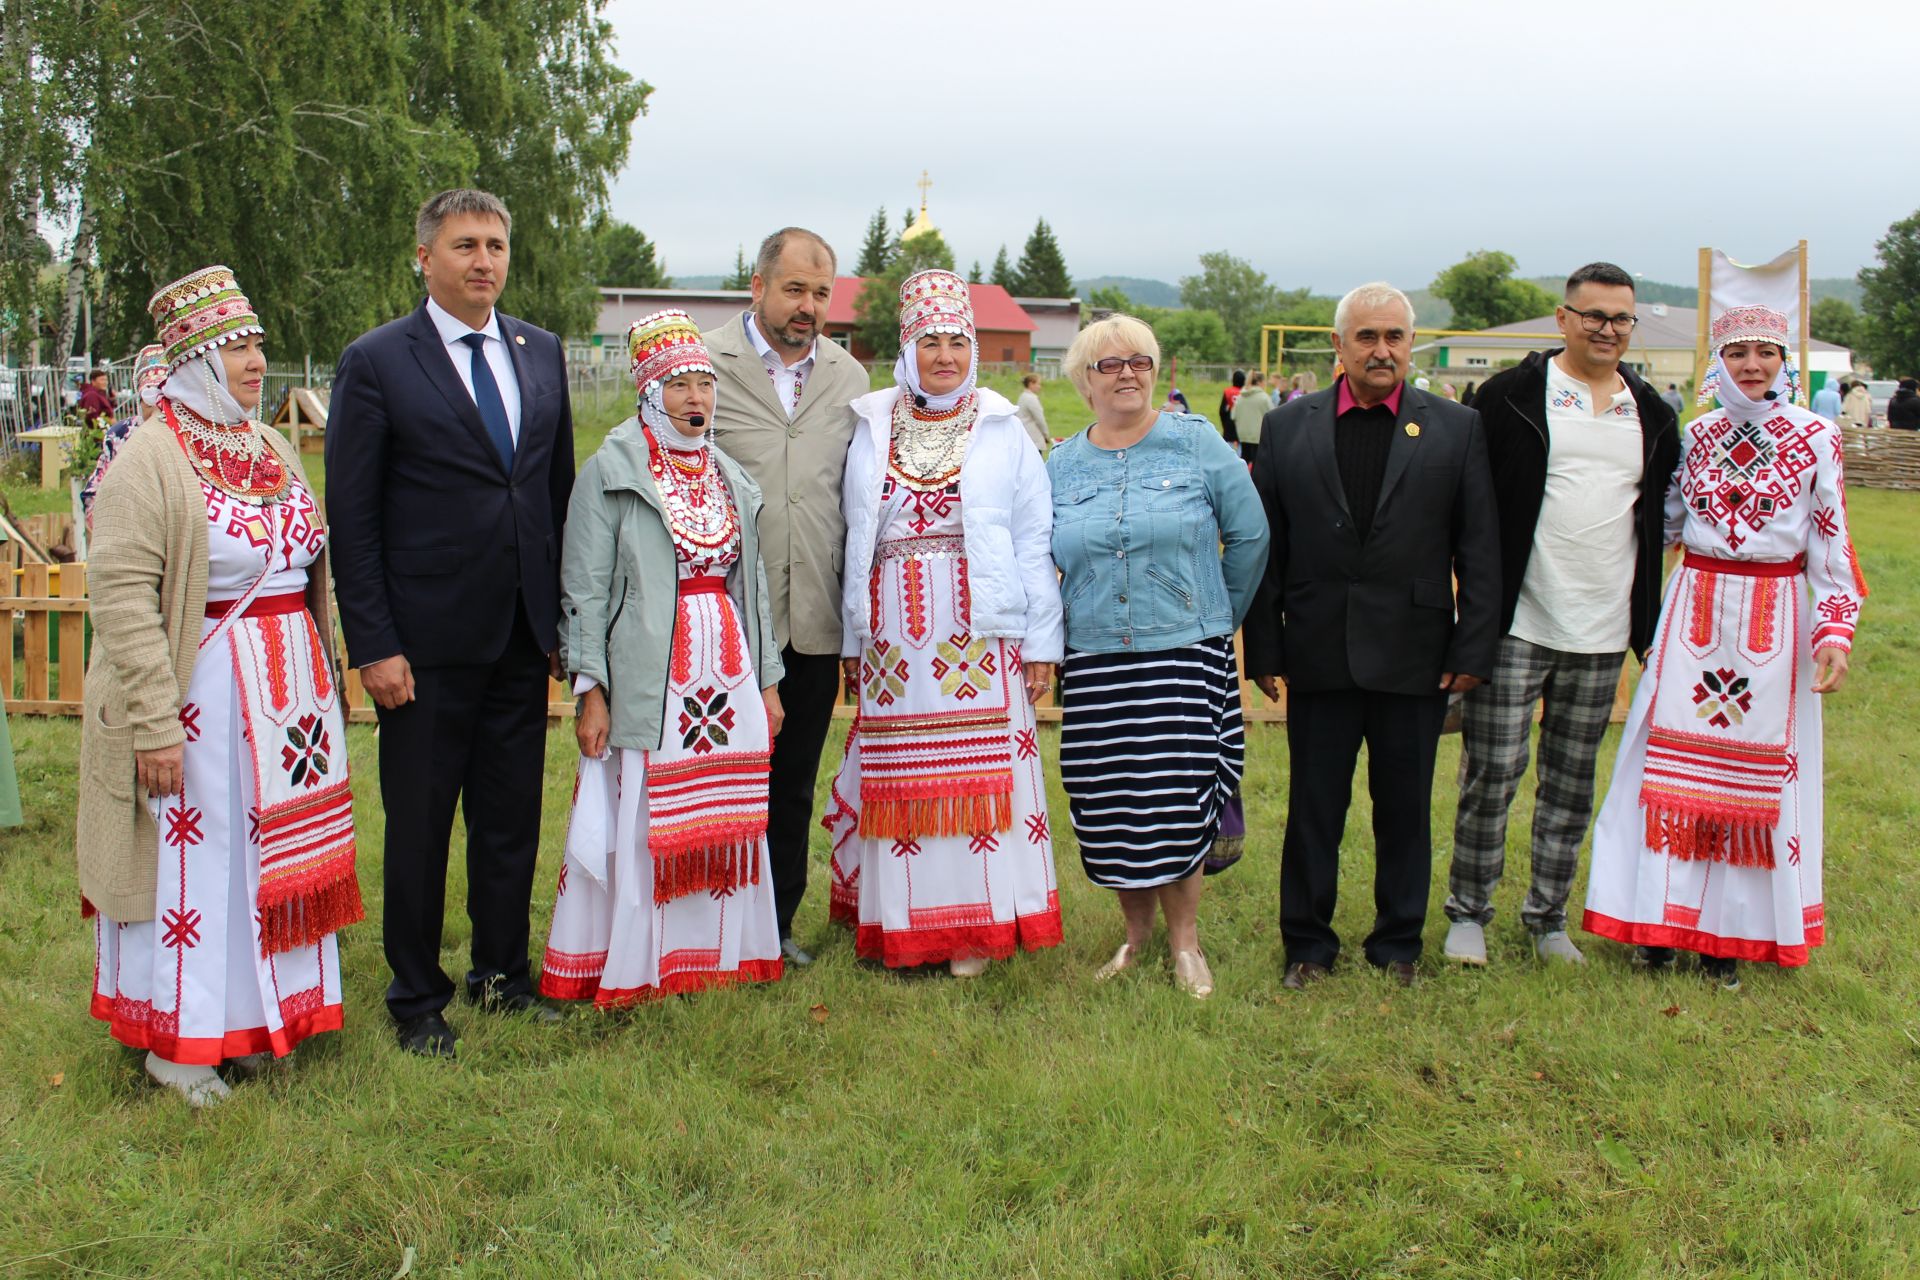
(553,666)
(162,772)
(1451,683)
(1829,668)
(1269,685)
(590,722)
(389,680)
(776,714)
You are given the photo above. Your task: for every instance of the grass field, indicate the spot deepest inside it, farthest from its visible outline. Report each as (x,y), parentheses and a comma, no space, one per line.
(1515,1122)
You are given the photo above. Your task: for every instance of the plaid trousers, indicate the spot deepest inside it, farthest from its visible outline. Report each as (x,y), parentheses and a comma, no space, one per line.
(1576,692)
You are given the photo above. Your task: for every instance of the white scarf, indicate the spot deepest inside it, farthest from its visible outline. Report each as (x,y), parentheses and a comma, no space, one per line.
(906,372)
(200,386)
(653,412)
(1719,384)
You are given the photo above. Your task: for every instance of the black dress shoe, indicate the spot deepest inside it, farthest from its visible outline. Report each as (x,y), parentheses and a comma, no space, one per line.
(519,1002)
(1302,974)
(1401,971)
(427,1035)
(1656,959)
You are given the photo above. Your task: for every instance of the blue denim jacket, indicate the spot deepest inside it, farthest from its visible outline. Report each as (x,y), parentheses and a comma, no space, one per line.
(1160,544)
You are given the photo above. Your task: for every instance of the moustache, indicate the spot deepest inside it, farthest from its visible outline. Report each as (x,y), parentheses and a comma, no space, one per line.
(1380,364)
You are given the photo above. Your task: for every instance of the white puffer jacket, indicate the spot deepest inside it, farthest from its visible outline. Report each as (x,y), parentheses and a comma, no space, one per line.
(1006,515)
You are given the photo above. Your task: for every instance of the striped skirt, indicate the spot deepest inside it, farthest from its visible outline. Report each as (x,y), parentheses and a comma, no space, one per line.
(1151,749)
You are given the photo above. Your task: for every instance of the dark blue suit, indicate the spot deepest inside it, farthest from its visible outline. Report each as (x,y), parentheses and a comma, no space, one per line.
(445,555)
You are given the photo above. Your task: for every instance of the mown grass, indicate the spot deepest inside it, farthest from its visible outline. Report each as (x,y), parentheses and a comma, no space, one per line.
(1516,1122)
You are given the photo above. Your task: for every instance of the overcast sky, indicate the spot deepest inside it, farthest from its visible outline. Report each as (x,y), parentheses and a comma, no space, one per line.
(1328,143)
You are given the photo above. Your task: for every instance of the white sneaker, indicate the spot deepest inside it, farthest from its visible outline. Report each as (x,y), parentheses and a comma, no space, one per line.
(970,967)
(1558,946)
(1466,943)
(200,1086)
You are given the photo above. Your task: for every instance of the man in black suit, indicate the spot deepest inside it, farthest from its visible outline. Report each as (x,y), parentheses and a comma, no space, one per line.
(1379,499)
(449,466)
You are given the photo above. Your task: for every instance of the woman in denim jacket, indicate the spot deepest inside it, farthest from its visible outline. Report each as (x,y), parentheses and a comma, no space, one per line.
(1160,540)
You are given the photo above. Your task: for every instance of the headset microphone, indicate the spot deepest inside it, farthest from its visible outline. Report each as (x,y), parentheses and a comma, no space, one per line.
(919,401)
(1773,395)
(696,419)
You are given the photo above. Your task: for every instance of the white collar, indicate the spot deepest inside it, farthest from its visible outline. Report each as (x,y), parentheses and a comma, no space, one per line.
(452,329)
(766,350)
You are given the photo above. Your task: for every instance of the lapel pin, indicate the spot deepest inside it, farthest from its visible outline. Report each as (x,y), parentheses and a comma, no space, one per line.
(1413,430)
(519,339)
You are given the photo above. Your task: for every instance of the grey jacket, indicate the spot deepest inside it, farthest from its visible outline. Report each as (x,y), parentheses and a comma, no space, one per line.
(798,467)
(620,583)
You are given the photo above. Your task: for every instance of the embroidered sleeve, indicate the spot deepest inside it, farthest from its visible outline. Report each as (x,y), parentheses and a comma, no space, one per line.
(1833,569)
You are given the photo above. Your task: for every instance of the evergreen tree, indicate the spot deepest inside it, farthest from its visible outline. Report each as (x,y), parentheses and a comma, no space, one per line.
(876,323)
(742,277)
(1042,272)
(877,249)
(1890,299)
(623,257)
(973,273)
(1002,273)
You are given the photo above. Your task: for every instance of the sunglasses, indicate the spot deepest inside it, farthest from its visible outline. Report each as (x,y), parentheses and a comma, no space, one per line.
(1114,364)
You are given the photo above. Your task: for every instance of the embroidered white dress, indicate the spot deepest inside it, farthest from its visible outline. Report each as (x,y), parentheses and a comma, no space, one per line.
(947,739)
(1709,838)
(191,985)
(611,941)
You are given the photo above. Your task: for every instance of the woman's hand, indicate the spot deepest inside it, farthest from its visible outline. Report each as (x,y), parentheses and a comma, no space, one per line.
(850,672)
(776,714)
(590,722)
(162,772)
(1829,668)
(1039,679)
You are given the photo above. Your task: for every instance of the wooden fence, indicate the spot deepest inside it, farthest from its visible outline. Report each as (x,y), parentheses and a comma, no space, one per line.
(1881,458)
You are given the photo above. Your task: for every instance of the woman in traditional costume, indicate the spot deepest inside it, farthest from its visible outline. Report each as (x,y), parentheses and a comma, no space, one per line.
(951,610)
(215,830)
(1710,839)
(149,375)
(665,887)
(1161,540)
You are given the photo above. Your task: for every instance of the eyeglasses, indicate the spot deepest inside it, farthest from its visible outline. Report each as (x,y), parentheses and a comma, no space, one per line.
(1595,321)
(1113,364)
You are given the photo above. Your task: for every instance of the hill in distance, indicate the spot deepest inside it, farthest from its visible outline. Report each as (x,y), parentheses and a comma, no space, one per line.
(1145,293)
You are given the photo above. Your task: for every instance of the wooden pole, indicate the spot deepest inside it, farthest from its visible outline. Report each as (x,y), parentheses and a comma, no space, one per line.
(1701,329)
(1806,315)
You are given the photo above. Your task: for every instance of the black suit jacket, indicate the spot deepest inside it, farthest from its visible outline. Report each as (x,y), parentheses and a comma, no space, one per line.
(1339,613)
(434,542)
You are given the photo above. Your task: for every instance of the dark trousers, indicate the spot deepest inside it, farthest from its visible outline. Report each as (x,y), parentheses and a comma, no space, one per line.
(476,737)
(1324,733)
(806,695)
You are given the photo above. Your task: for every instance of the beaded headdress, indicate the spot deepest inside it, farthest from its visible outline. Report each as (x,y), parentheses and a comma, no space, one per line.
(665,345)
(1748,324)
(198,313)
(934,301)
(149,372)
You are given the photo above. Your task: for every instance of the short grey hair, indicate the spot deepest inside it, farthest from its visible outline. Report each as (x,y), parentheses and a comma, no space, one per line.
(1375,294)
(460,200)
(776,244)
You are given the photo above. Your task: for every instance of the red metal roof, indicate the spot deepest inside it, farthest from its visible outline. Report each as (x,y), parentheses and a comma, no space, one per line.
(994,309)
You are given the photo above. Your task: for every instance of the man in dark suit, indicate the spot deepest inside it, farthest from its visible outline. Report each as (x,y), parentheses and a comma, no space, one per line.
(449,466)
(1379,499)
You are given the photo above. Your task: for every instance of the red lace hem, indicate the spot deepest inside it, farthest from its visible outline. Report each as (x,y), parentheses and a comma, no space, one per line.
(674,984)
(901,948)
(1756,950)
(211,1051)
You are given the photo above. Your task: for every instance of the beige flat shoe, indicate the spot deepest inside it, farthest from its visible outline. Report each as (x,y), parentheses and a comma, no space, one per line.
(1123,959)
(971,967)
(1191,975)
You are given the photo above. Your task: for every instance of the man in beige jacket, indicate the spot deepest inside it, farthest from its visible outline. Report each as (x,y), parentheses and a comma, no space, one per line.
(785,414)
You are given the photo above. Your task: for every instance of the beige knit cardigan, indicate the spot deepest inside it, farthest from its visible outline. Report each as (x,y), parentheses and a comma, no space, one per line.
(147,588)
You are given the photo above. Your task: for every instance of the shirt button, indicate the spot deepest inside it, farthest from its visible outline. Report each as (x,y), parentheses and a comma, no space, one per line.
(1166,484)
(793,497)
(1122,455)
(1123,599)
(1120,555)
(1126,639)
(792,432)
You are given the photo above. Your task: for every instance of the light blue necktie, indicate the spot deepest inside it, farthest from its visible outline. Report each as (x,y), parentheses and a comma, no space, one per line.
(486,398)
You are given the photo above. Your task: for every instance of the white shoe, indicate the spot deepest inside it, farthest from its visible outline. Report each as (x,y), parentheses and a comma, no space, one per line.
(1123,959)
(1467,943)
(1191,975)
(971,967)
(200,1086)
(1558,946)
